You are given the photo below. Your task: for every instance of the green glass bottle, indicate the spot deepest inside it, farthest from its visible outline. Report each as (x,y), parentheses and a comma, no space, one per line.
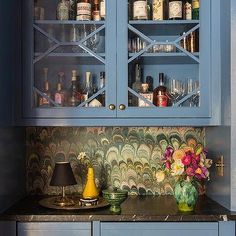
(195,9)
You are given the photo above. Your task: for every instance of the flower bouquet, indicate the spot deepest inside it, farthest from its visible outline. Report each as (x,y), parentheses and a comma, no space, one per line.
(189,165)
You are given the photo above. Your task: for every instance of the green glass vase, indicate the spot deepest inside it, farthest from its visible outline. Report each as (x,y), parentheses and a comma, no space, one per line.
(186,195)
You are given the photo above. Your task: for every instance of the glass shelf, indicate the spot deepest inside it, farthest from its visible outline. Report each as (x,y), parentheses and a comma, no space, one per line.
(68,22)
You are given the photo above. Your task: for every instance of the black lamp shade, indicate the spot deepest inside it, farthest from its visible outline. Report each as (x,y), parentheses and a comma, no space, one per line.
(62,175)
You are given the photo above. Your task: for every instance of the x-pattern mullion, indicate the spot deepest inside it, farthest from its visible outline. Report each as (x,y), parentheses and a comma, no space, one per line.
(141,97)
(45,96)
(79,43)
(92,97)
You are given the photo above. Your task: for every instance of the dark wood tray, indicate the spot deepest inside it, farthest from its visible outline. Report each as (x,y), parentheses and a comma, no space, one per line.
(49,203)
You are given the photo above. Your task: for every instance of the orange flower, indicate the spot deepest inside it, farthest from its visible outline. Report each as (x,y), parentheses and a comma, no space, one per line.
(178,154)
(198,171)
(188,149)
(192,142)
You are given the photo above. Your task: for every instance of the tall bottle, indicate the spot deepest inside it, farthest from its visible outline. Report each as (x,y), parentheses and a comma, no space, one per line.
(88,89)
(101,97)
(43,100)
(60,95)
(140,10)
(96,10)
(72,9)
(188,10)
(160,98)
(137,85)
(63,10)
(195,9)
(175,10)
(83,10)
(74,98)
(103,9)
(158,9)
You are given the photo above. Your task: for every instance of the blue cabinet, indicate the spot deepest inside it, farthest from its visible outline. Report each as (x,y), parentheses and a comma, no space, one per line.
(54,229)
(166,229)
(192,81)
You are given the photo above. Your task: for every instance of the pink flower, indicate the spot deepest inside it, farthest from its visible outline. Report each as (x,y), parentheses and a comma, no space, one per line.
(168,165)
(197,158)
(186,160)
(168,153)
(190,171)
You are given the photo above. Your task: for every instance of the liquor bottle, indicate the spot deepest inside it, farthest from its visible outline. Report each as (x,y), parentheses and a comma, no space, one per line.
(160,98)
(60,95)
(44,101)
(88,89)
(103,9)
(96,11)
(72,9)
(63,10)
(101,97)
(188,10)
(137,85)
(140,10)
(158,10)
(74,98)
(83,10)
(149,81)
(195,9)
(146,94)
(175,10)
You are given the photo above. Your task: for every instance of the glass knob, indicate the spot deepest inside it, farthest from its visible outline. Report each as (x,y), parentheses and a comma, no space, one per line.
(112,107)
(122,107)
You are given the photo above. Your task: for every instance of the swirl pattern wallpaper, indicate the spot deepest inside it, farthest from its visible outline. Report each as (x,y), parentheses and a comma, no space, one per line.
(123,157)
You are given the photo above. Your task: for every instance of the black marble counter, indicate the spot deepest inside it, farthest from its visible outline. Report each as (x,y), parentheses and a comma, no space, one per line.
(135,208)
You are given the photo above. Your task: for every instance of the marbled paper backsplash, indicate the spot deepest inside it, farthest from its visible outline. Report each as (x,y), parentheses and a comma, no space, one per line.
(122,157)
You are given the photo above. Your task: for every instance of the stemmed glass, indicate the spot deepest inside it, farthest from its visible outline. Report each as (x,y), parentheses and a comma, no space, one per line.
(83,33)
(193,86)
(95,39)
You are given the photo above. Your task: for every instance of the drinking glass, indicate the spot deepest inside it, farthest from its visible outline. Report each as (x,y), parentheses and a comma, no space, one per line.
(193,85)
(174,90)
(83,32)
(74,37)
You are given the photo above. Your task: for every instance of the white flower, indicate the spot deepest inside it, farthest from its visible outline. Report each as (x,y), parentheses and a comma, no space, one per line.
(81,156)
(160,176)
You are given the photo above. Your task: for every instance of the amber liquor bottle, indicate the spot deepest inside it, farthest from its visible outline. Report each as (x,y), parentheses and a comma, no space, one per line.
(60,95)
(44,99)
(96,11)
(160,98)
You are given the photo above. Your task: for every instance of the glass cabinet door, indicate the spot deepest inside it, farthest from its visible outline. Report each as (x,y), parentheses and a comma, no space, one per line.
(71,51)
(163,65)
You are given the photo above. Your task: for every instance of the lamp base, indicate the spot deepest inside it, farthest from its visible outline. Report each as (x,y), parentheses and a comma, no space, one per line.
(64,202)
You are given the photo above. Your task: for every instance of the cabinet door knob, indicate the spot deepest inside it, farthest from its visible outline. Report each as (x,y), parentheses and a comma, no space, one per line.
(112,107)
(122,107)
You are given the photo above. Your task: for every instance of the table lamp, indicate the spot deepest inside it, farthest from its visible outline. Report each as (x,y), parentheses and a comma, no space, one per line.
(63,176)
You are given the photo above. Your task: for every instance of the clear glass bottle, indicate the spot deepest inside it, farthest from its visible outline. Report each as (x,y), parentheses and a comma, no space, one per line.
(146,94)
(140,10)
(96,11)
(103,9)
(101,97)
(43,100)
(137,85)
(160,98)
(63,10)
(60,95)
(175,10)
(74,98)
(83,10)
(88,89)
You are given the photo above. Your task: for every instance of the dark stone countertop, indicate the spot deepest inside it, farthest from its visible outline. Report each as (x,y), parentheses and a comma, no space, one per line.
(135,208)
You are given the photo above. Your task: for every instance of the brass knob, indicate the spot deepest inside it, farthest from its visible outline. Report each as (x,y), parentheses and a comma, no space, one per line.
(122,107)
(112,107)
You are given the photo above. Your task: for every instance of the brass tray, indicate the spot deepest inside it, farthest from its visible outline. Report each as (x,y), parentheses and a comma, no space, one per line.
(50,203)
